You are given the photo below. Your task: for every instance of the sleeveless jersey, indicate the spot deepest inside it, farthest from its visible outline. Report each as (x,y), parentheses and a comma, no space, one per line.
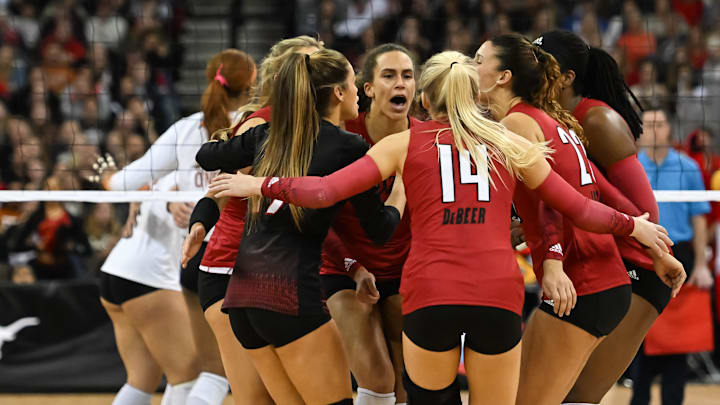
(630,249)
(460,252)
(385,261)
(591,260)
(222,247)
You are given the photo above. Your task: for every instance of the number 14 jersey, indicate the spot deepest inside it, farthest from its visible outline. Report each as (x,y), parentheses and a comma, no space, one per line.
(460,252)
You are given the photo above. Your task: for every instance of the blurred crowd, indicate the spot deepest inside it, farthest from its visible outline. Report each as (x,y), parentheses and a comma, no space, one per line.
(77,78)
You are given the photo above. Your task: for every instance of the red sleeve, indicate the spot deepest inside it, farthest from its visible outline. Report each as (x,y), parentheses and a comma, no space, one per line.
(612,197)
(551,223)
(629,177)
(585,213)
(323,192)
(334,252)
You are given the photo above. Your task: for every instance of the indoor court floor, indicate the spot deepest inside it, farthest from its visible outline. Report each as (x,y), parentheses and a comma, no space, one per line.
(695,394)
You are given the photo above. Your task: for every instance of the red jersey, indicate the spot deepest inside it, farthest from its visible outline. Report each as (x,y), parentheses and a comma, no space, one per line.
(386,261)
(222,248)
(460,252)
(630,249)
(590,260)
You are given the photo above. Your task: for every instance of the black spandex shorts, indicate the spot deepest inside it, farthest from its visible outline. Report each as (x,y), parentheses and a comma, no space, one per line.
(332,283)
(648,285)
(211,288)
(488,330)
(600,313)
(189,274)
(256,328)
(118,290)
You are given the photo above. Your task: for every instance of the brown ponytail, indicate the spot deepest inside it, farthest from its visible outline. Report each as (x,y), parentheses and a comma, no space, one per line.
(230,74)
(535,77)
(300,96)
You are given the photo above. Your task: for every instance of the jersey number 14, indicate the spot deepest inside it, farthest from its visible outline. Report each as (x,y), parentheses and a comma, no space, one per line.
(447,174)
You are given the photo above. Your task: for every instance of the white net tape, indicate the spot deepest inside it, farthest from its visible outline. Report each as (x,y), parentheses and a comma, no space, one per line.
(177,196)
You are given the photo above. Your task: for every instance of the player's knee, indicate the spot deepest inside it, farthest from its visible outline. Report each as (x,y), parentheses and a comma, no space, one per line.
(417,395)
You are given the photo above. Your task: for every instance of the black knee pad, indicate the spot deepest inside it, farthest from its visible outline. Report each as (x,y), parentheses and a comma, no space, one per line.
(417,395)
(346,401)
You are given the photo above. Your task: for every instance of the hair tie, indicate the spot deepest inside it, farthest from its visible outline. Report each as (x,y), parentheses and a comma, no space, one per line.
(220,78)
(451,65)
(307,63)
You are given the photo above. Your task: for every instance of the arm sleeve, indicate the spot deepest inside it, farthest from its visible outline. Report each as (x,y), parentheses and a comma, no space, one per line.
(357,179)
(323,192)
(585,213)
(612,197)
(232,155)
(629,177)
(160,160)
(551,223)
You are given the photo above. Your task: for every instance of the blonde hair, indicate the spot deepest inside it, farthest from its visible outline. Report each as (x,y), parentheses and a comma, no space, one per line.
(451,85)
(300,95)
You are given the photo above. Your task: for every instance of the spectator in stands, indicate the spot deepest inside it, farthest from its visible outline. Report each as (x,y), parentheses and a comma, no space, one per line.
(668,169)
(107,27)
(648,90)
(636,42)
(24,21)
(103,230)
(53,240)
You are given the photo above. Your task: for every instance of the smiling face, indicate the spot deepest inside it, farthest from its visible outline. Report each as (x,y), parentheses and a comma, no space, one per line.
(392,85)
(349,94)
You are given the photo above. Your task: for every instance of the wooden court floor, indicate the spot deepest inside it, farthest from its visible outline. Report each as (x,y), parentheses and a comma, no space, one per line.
(694,395)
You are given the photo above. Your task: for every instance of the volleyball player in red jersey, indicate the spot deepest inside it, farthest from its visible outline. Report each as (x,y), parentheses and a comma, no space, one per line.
(221,251)
(594,90)
(519,81)
(461,274)
(371,322)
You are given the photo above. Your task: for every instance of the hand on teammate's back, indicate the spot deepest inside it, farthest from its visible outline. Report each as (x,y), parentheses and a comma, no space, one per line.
(652,235)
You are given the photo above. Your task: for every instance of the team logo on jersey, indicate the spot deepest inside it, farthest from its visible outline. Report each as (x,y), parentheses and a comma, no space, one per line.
(9,333)
(556,248)
(348,263)
(538,41)
(633,275)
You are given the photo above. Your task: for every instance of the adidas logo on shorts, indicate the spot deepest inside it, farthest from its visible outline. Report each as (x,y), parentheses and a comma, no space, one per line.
(633,275)
(549,302)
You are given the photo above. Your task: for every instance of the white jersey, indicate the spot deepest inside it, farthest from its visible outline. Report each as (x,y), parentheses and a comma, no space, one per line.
(174,151)
(151,256)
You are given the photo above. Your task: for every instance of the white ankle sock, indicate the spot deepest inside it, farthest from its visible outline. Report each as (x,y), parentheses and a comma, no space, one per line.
(129,395)
(368,397)
(179,393)
(209,389)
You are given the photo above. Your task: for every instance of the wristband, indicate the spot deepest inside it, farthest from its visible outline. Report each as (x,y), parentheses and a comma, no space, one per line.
(206,212)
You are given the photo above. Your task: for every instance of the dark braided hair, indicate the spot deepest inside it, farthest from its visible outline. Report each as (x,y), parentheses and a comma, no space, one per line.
(596,74)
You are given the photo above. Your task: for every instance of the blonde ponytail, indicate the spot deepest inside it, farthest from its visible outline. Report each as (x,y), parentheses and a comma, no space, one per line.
(450,82)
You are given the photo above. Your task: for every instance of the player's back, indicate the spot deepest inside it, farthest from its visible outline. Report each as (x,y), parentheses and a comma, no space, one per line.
(460,252)
(591,260)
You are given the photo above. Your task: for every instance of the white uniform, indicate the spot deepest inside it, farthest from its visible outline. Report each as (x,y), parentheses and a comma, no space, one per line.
(151,256)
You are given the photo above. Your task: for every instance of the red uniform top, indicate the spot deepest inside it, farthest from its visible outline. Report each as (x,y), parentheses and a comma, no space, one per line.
(460,252)
(221,250)
(590,260)
(386,261)
(630,249)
